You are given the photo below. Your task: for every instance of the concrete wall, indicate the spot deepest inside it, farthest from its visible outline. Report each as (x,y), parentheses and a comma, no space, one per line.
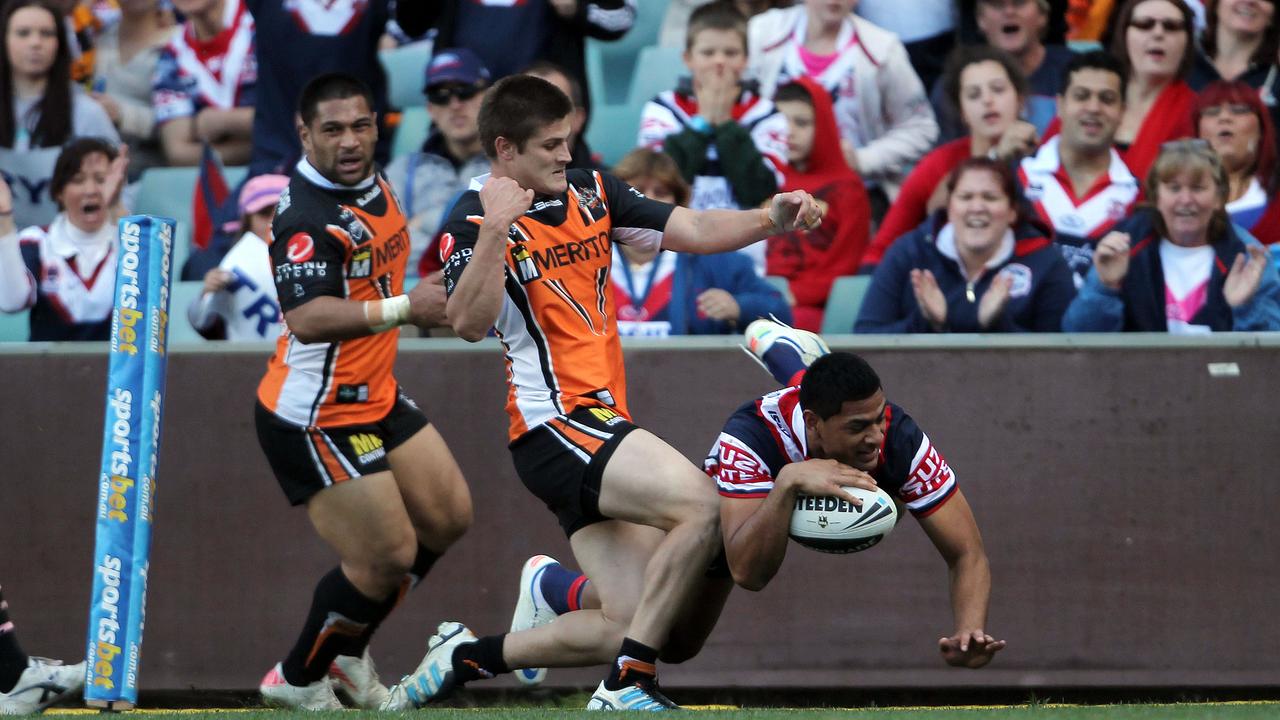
(1125,493)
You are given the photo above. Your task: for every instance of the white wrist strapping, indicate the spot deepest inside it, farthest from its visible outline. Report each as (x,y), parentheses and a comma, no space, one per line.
(386,314)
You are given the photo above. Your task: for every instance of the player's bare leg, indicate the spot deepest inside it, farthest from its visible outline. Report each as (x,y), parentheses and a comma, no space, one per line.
(434,492)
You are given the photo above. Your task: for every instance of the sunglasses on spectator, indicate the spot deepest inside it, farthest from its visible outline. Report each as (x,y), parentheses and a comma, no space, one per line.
(442,94)
(1170,25)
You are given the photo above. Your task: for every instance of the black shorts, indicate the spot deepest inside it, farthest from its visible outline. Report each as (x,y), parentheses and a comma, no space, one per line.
(562,462)
(306,460)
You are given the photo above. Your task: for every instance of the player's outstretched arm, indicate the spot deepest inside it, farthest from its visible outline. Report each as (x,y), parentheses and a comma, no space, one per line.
(712,231)
(755,530)
(954,532)
(476,300)
(333,319)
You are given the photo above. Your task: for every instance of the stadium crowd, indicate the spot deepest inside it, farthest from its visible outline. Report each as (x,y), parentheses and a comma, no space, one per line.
(847,99)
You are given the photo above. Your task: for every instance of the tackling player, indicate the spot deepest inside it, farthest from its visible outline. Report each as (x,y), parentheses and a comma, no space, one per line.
(379,484)
(527,252)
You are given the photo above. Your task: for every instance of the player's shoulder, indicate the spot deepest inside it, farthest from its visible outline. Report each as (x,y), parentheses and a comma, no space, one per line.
(467,210)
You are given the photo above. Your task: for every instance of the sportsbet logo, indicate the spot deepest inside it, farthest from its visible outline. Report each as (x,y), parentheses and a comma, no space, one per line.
(368,448)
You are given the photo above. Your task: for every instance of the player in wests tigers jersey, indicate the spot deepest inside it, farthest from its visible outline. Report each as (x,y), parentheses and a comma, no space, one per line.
(379,483)
(527,252)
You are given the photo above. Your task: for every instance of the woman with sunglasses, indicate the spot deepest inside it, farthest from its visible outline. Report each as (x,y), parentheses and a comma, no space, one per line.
(1235,123)
(1239,42)
(1179,266)
(1153,43)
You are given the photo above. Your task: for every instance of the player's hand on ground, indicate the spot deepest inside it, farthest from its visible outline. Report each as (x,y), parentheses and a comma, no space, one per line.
(969,648)
(825,478)
(991,305)
(427,302)
(929,297)
(1111,258)
(216,279)
(1245,276)
(795,210)
(504,201)
(719,304)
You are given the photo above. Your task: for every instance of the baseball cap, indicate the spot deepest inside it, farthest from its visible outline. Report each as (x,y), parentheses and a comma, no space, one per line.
(260,192)
(458,65)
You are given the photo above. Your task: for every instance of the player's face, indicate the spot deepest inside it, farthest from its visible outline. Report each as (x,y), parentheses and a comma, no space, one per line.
(1014,26)
(800,130)
(84,198)
(540,166)
(340,138)
(32,42)
(1090,108)
(989,103)
(979,211)
(853,436)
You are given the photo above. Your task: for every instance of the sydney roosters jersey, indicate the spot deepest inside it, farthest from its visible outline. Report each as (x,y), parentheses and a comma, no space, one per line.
(558,322)
(1078,222)
(344,242)
(764,435)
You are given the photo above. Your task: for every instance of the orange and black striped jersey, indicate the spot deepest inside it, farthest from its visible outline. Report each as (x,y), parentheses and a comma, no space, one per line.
(557,321)
(345,242)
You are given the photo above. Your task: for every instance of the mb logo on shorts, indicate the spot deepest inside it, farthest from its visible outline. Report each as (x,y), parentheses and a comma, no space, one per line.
(368,447)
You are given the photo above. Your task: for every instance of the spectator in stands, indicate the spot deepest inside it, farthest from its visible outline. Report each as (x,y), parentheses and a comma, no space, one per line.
(308,38)
(429,180)
(578,148)
(811,260)
(1076,182)
(676,21)
(205,83)
(65,274)
(1231,117)
(987,89)
(1180,266)
(928,31)
(238,301)
(977,268)
(40,109)
(724,137)
(125,62)
(1239,42)
(886,124)
(509,37)
(682,293)
(1016,27)
(1156,51)
(1055,33)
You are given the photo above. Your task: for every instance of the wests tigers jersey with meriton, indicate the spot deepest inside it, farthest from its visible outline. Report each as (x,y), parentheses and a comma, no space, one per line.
(557,322)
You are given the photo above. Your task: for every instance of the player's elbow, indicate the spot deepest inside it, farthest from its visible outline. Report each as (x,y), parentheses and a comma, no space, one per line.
(471,332)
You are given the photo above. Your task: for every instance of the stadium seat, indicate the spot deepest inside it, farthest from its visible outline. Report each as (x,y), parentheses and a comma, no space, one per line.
(783,286)
(843,303)
(415,123)
(180,329)
(661,68)
(166,192)
(612,64)
(406,69)
(15,327)
(612,132)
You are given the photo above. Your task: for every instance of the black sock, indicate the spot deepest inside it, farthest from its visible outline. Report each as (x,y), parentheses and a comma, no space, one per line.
(479,660)
(340,615)
(422,564)
(12,660)
(636,665)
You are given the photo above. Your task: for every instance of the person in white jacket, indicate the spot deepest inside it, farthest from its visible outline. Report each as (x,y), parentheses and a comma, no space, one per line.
(886,122)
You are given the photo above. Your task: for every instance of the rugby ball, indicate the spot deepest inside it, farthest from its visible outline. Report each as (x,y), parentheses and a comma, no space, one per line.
(836,525)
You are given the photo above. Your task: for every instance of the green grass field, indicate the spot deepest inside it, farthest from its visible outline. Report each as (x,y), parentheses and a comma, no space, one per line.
(1183,711)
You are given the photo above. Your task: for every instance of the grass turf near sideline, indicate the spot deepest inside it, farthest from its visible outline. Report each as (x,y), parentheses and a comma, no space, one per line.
(1181,711)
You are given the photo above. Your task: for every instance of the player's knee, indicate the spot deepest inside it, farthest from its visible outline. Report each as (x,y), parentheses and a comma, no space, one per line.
(392,559)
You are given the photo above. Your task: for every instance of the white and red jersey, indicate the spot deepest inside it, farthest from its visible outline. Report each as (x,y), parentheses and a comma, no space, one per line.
(221,72)
(1078,222)
(70,280)
(766,434)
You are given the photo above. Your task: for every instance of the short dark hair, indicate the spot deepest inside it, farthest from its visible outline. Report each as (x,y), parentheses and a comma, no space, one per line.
(1120,31)
(330,86)
(793,92)
(1093,60)
(718,15)
(835,379)
(964,56)
(72,157)
(518,106)
(547,67)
